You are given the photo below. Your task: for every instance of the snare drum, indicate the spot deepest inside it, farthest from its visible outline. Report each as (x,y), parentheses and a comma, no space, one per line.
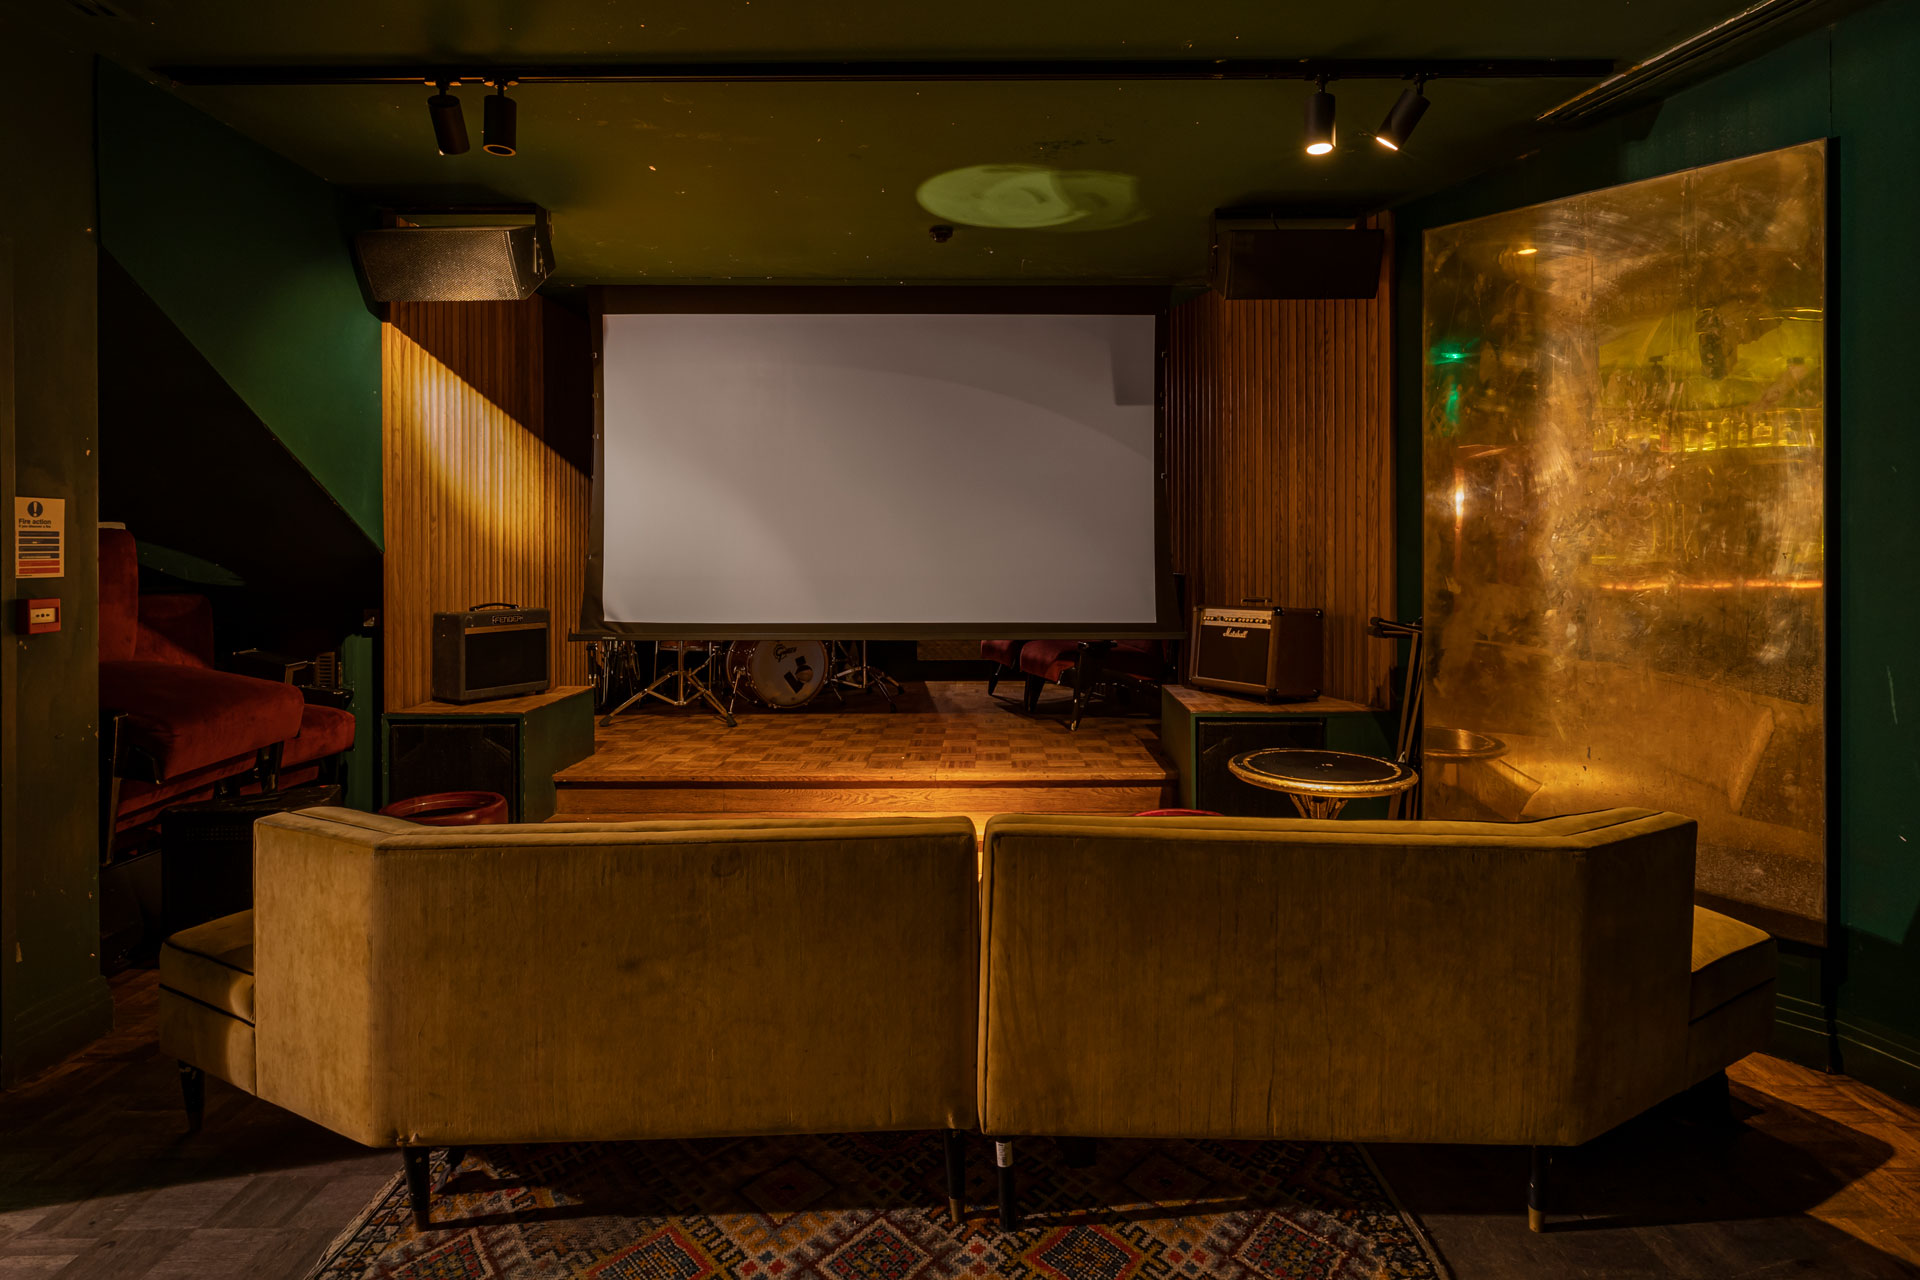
(778,673)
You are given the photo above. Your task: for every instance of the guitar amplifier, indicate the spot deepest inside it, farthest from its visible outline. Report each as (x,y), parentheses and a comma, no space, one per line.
(1276,654)
(494,651)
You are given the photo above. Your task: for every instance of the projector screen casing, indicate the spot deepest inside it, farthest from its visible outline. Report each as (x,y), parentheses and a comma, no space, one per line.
(906,300)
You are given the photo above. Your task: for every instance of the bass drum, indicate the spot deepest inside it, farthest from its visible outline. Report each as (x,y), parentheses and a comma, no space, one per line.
(778,673)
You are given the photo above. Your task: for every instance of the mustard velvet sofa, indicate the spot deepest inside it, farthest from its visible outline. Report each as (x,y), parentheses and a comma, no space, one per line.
(1531,984)
(418,987)
(428,987)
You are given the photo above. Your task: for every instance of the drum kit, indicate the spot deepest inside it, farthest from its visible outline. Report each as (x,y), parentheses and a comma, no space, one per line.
(778,674)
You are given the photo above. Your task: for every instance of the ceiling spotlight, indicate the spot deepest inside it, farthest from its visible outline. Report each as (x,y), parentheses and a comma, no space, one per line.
(1403,117)
(499,134)
(1320,121)
(449,126)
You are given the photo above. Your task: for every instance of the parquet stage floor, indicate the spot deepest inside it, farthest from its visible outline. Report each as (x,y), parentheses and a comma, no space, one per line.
(950,748)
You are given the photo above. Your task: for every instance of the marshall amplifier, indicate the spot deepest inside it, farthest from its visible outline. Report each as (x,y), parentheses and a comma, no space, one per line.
(1274,654)
(492,651)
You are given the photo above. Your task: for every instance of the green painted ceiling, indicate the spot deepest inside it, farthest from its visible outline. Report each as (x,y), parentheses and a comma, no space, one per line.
(791,181)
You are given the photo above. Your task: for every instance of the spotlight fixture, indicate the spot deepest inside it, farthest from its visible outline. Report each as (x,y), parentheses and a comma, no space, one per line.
(449,126)
(1320,120)
(1403,117)
(499,132)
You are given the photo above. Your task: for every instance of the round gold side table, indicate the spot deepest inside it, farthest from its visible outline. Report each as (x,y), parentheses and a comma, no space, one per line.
(1321,782)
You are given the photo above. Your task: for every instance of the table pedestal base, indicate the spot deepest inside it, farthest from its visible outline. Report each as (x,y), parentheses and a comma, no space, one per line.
(1317,806)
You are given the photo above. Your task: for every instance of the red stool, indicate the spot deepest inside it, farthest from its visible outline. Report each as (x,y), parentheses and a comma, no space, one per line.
(1177,813)
(452,809)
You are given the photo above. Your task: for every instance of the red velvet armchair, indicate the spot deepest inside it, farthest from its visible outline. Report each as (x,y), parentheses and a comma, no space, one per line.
(1084,665)
(174,730)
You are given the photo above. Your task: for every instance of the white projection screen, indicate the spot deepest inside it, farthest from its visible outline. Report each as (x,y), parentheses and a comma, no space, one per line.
(878,474)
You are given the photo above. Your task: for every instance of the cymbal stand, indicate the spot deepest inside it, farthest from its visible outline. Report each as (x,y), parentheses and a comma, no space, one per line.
(860,676)
(689,685)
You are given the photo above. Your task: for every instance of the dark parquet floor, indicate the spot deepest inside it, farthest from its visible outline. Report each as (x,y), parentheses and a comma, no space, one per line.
(1821,1178)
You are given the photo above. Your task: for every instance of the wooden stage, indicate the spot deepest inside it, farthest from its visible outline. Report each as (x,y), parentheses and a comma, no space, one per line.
(949,749)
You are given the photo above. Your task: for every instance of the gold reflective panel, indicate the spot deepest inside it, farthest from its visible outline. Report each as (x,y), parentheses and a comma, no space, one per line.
(1624,435)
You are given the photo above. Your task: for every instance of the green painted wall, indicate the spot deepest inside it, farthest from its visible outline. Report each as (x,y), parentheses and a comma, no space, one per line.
(1851,82)
(248,254)
(52,998)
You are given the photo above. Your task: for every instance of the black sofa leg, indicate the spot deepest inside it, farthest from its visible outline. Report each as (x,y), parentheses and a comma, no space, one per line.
(419,1188)
(1003,1167)
(993,678)
(1539,1160)
(1032,700)
(957,1176)
(454,1156)
(193,1092)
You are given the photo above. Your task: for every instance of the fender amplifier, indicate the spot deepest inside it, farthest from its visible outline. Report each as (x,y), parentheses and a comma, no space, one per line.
(1276,654)
(493,651)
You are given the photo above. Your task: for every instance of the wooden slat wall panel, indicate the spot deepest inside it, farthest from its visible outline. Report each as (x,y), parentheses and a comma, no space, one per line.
(478,507)
(1280,466)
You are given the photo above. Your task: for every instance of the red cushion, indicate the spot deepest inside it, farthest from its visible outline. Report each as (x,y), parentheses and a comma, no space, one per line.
(1055,659)
(119,595)
(186,718)
(177,629)
(1004,652)
(324,731)
(1049,659)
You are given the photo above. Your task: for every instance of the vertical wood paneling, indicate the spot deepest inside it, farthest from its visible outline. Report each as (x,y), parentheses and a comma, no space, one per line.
(1280,462)
(478,506)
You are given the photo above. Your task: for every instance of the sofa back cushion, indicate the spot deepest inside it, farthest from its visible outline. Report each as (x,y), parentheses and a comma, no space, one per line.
(611,981)
(1289,978)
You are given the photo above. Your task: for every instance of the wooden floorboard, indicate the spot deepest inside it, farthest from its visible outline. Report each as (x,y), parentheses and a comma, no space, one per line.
(950,748)
(1819,1178)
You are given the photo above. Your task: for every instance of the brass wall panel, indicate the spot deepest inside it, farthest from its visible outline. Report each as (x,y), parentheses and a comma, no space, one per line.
(1279,466)
(1624,446)
(479,506)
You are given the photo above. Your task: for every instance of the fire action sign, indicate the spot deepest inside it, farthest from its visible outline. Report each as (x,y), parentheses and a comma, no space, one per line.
(39,537)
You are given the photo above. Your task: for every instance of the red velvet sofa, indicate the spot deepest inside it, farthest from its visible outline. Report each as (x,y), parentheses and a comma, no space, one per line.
(173,729)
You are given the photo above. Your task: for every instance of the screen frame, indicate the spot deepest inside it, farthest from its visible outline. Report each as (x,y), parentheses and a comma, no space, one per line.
(605,300)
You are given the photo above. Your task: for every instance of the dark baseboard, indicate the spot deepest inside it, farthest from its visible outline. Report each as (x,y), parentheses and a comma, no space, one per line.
(1801,1033)
(1888,1062)
(44,1033)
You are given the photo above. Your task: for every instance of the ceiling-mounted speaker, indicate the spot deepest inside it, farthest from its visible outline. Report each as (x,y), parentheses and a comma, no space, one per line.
(457,261)
(1267,259)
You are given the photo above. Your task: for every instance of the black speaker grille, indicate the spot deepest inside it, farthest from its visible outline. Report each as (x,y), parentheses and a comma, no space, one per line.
(1218,741)
(456,754)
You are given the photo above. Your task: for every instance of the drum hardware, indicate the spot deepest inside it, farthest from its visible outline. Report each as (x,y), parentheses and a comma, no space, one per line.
(688,681)
(857,675)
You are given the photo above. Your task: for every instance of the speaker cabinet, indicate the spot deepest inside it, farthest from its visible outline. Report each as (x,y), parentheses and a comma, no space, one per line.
(1218,741)
(1291,262)
(456,263)
(457,753)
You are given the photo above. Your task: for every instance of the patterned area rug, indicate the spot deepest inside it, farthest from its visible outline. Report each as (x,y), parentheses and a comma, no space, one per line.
(873,1207)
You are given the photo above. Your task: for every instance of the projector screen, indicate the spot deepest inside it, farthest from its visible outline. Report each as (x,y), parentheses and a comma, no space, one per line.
(831,474)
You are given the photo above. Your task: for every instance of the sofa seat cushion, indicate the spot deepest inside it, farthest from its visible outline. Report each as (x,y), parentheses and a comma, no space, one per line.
(1054,660)
(186,718)
(1004,652)
(1729,960)
(213,964)
(324,731)
(1049,659)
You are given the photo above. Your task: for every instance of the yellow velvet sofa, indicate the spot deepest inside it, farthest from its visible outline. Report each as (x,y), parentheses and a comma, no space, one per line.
(427,987)
(1530,984)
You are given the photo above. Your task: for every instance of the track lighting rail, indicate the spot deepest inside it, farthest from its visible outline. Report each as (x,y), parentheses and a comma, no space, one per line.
(912,70)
